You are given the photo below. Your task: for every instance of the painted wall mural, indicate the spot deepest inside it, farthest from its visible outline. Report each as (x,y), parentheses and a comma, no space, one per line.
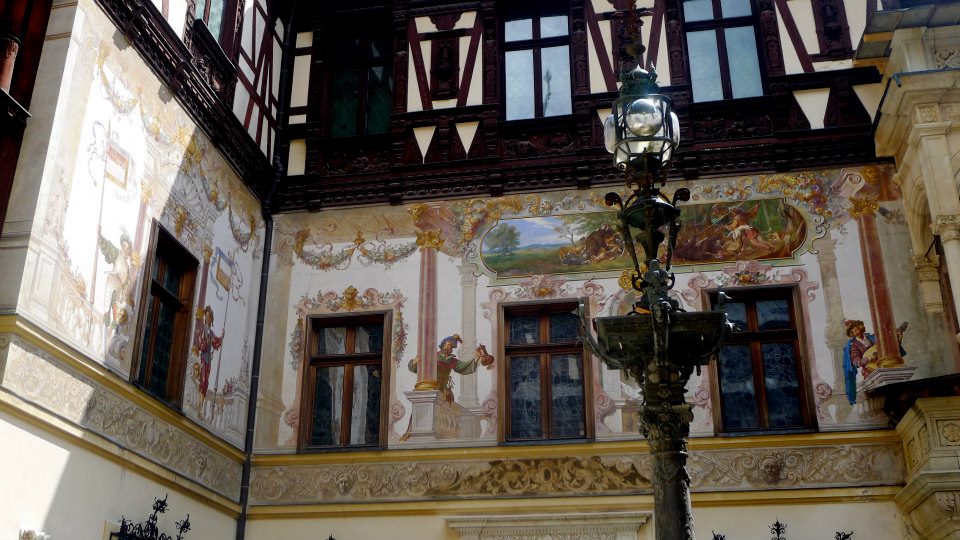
(131,157)
(816,232)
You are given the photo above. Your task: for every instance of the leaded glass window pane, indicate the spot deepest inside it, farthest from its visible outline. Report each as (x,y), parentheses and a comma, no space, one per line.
(566,372)
(518,30)
(171,280)
(369,339)
(773,314)
(163,340)
(378,100)
(736,314)
(519,84)
(346,100)
(743,62)
(704,65)
(365,414)
(215,23)
(327,407)
(332,341)
(782,385)
(738,396)
(564,327)
(555,65)
(525,398)
(554,25)
(525,330)
(697,10)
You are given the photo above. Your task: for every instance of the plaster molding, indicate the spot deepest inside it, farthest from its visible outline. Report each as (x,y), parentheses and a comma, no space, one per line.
(556,526)
(731,469)
(40,379)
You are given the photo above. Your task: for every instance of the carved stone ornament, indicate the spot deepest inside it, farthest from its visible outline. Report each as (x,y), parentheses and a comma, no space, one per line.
(42,380)
(30,534)
(928,114)
(840,465)
(947,226)
(569,526)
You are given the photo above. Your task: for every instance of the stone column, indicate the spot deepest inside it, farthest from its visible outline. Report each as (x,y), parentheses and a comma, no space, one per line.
(878,293)
(273,359)
(470,421)
(930,137)
(947,227)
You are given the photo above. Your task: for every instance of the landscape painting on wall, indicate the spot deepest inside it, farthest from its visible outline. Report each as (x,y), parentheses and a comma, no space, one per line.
(554,245)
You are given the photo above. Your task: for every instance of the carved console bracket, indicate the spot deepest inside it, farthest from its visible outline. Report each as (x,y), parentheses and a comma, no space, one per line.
(930,432)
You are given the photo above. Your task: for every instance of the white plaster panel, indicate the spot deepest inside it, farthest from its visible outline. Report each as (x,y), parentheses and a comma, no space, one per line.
(870,95)
(297,119)
(791,61)
(298,157)
(300,86)
(802,11)
(814,105)
(856,20)
(424,25)
(467,130)
(413,89)
(178,16)
(467,20)
(304,39)
(424,135)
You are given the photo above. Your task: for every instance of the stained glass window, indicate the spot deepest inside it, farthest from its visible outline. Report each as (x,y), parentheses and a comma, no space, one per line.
(546,381)
(760,370)
(346,376)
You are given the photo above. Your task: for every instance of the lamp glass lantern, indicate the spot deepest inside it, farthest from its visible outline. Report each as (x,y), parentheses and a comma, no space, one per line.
(642,130)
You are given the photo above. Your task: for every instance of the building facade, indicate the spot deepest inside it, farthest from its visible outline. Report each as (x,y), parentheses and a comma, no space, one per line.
(385,220)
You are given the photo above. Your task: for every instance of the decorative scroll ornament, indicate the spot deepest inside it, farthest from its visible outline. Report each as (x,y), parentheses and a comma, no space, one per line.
(148,530)
(370,252)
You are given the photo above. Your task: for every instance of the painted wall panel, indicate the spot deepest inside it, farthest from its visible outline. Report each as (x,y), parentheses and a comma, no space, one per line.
(136,159)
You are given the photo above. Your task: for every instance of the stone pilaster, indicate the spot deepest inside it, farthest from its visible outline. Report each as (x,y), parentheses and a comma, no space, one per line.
(470,422)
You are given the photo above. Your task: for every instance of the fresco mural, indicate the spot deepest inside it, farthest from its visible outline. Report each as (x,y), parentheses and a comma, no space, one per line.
(141,160)
(748,230)
(554,245)
(814,232)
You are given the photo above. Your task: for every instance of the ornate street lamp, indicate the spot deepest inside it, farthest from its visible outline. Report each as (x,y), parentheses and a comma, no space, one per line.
(659,343)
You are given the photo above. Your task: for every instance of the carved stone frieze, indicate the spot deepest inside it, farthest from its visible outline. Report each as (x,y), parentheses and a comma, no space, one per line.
(620,474)
(559,526)
(42,380)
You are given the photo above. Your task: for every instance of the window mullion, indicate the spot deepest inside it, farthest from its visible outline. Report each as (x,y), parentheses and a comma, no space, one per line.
(759,385)
(537,83)
(725,82)
(347,405)
(546,395)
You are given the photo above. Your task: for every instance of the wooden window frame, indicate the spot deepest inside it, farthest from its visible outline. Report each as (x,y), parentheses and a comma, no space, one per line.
(534,9)
(228,38)
(543,350)
(164,248)
(718,24)
(313,361)
(755,338)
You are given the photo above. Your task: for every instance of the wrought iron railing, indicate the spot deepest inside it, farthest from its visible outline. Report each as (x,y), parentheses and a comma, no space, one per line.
(148,530)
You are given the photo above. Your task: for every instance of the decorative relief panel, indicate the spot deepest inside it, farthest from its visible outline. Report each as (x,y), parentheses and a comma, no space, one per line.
(710,470)
(37,377)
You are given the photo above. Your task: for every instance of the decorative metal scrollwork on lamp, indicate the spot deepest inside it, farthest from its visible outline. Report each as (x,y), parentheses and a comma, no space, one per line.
(659,343)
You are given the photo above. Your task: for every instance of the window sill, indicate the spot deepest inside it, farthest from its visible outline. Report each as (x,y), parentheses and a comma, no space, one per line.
(794,431)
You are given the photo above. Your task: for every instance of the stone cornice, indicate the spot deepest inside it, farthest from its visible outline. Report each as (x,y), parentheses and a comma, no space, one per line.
(170,59)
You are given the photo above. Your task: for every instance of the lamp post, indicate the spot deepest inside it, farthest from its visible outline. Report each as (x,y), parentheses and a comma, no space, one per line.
(659,343)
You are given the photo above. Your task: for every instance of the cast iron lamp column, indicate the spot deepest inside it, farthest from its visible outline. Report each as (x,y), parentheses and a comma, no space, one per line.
(659,343)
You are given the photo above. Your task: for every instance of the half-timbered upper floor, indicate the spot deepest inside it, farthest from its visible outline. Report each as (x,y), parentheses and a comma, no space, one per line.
(411,99)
